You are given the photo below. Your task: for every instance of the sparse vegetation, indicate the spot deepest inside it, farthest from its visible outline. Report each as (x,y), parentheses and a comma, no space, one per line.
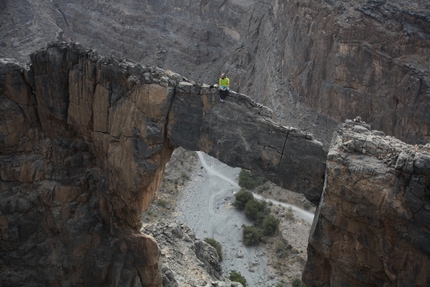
(307,205)
(216,245)
(298,283)
(281,249)
(250,180)
(242,198)
(257,210)
(251,235)
(162,202)
(270,225)
(254,209)
(289,214)
(237,277)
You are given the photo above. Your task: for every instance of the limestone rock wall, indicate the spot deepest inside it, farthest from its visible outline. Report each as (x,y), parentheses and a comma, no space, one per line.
(372,227)
(361,58)
(84,140)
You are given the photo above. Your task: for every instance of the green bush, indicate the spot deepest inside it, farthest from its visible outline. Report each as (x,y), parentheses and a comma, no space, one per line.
(298,283)
(281,249)
(237,277)
(162,202)
(254,209)
(259,217)
(307,205)
(251,235)
(216,245)
(250,180)
(270,225)
(242,198)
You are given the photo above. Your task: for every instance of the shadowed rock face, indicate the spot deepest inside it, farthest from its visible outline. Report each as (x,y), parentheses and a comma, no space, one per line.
(372,226)
(84,140)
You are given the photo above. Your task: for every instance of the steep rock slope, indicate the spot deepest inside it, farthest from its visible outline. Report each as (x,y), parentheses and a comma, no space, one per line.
(361,58)
(373,221)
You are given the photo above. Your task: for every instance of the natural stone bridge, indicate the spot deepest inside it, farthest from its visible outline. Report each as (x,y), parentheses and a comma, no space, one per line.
(90,137)
(83,145)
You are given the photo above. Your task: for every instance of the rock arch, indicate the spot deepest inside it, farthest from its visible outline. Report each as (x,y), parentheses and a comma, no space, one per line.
(85,140)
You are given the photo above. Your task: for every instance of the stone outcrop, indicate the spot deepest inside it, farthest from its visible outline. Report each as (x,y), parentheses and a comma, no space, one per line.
(372,226)
(84,140)
(187,260)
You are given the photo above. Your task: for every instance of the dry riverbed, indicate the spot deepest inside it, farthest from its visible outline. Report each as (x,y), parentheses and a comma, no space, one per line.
(203,199)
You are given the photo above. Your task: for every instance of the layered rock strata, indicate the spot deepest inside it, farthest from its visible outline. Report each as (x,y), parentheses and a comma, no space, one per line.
(84,140)
(372,226)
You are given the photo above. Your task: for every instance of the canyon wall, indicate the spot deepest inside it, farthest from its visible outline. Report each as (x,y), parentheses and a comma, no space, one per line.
(83,144)
(361,58)
(372,226)
(314,63)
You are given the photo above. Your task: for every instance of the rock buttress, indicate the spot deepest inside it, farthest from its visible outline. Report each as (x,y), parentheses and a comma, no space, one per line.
(83,152)
(373,221)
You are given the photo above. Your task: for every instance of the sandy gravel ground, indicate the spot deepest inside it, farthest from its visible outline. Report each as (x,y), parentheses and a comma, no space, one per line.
(200,193)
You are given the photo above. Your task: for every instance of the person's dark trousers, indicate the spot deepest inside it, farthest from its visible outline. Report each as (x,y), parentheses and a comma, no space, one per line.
(223,94)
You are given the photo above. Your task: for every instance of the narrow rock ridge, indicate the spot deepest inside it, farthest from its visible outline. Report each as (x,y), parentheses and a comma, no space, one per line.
(84,140)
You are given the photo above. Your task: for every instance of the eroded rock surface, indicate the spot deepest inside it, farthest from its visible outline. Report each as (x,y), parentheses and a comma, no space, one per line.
(187,260)
(373,221)
(84,140)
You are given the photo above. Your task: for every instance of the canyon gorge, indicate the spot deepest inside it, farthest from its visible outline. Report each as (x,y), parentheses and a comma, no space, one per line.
(85,134)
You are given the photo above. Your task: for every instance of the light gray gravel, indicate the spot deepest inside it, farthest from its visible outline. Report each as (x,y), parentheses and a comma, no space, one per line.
(205,204)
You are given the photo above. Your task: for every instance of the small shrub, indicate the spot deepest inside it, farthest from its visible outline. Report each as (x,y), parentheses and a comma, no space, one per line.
(289,215)
(251,235)
(150,212)
(162,202)
(242,198)
(250,180)
(298,283)
(307,205)
(216,245)
(281,249)
(253,208)
(237,277)
(270,225)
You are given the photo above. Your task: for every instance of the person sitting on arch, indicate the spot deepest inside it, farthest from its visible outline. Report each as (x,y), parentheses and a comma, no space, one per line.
(224,87)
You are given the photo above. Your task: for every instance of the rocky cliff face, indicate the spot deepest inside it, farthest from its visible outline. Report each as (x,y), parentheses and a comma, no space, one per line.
(314,63)
(84,140)
(361,58)
(372,226)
